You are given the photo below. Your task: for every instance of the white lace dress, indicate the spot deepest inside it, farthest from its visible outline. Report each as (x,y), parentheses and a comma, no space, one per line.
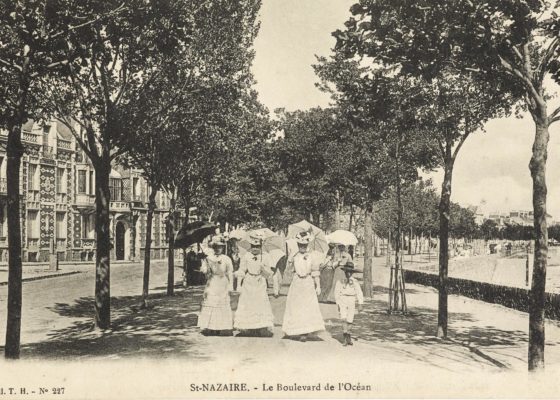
(302,314)
(253,310)
(215,313)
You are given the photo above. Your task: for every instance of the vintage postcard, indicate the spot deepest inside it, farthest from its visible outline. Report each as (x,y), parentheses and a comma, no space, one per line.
(279,199)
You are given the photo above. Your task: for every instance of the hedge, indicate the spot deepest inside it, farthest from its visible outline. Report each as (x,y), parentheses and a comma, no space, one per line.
(511,297)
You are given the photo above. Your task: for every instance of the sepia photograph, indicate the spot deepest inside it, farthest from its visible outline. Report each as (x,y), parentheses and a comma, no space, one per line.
(279,199)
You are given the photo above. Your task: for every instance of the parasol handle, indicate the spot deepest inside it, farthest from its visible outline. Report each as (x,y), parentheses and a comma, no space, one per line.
(261,250)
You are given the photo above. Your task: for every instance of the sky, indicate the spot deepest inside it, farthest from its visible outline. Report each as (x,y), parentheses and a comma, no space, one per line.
(491,170)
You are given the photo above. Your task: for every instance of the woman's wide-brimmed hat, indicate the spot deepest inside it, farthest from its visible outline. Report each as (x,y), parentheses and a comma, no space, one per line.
(256,239)
(304,238)
(348,267)
(217,240)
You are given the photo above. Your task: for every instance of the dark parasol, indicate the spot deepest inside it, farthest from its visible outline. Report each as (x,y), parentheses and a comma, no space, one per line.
(194,232)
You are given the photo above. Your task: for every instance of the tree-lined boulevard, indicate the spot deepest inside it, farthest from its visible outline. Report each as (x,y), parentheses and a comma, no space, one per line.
(167,88)
(57,323)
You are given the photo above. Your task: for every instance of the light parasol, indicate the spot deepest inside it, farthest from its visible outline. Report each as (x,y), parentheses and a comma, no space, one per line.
(341,236)
(318,243)
(271,241)
(239,234)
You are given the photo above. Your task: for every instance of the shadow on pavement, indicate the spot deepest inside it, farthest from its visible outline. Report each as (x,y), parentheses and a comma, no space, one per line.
(161,331)
(418,328)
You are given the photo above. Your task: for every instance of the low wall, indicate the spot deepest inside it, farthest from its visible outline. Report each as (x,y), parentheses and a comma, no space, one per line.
(511,297)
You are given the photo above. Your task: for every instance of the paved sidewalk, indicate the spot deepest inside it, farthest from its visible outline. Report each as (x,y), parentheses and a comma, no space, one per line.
(36,274)
(36,271)
(481,335)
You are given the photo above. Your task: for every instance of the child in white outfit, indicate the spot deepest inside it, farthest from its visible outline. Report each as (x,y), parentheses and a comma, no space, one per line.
(347,292)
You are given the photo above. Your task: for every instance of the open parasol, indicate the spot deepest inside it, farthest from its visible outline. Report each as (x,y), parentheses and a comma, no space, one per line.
(271,241)
(194,232)
(319,242)
(341,236)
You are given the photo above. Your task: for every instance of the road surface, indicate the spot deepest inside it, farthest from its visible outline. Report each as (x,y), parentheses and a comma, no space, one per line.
(43,297)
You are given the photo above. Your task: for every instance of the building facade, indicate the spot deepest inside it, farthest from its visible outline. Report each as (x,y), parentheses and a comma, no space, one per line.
(57,197)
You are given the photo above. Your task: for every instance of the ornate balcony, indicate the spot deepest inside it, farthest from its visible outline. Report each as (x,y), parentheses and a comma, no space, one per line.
(64,144)
(84,200)
(32,243)
(30,137)
(121,206)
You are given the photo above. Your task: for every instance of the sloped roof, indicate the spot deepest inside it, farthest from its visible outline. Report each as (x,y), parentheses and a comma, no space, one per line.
(63,132)
(28,126)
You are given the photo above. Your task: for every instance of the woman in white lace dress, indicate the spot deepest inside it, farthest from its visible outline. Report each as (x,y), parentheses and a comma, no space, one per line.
(215,316)
(253,316)
(303,315)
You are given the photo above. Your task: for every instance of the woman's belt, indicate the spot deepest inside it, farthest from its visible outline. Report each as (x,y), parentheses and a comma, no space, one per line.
(253,274)
(303,276)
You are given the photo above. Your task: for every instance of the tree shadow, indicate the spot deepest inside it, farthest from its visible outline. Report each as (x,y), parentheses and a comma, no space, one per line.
(161,331)
(418,328)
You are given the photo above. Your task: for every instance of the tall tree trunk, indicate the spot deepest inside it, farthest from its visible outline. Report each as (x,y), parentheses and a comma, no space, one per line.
(148,246)
(13,328)
(410,242)
(537,295)
(337,211)
(103,242)
(15,152)
(444,216)
(351,217)
(171,253)
(400,235)
(368,247)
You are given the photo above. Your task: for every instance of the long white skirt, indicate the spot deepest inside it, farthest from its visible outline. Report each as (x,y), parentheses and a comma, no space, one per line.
(253,309)
(215,313)
(302,314)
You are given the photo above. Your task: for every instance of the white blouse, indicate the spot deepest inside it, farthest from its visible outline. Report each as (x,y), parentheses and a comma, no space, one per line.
(254,265)
(305,265)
